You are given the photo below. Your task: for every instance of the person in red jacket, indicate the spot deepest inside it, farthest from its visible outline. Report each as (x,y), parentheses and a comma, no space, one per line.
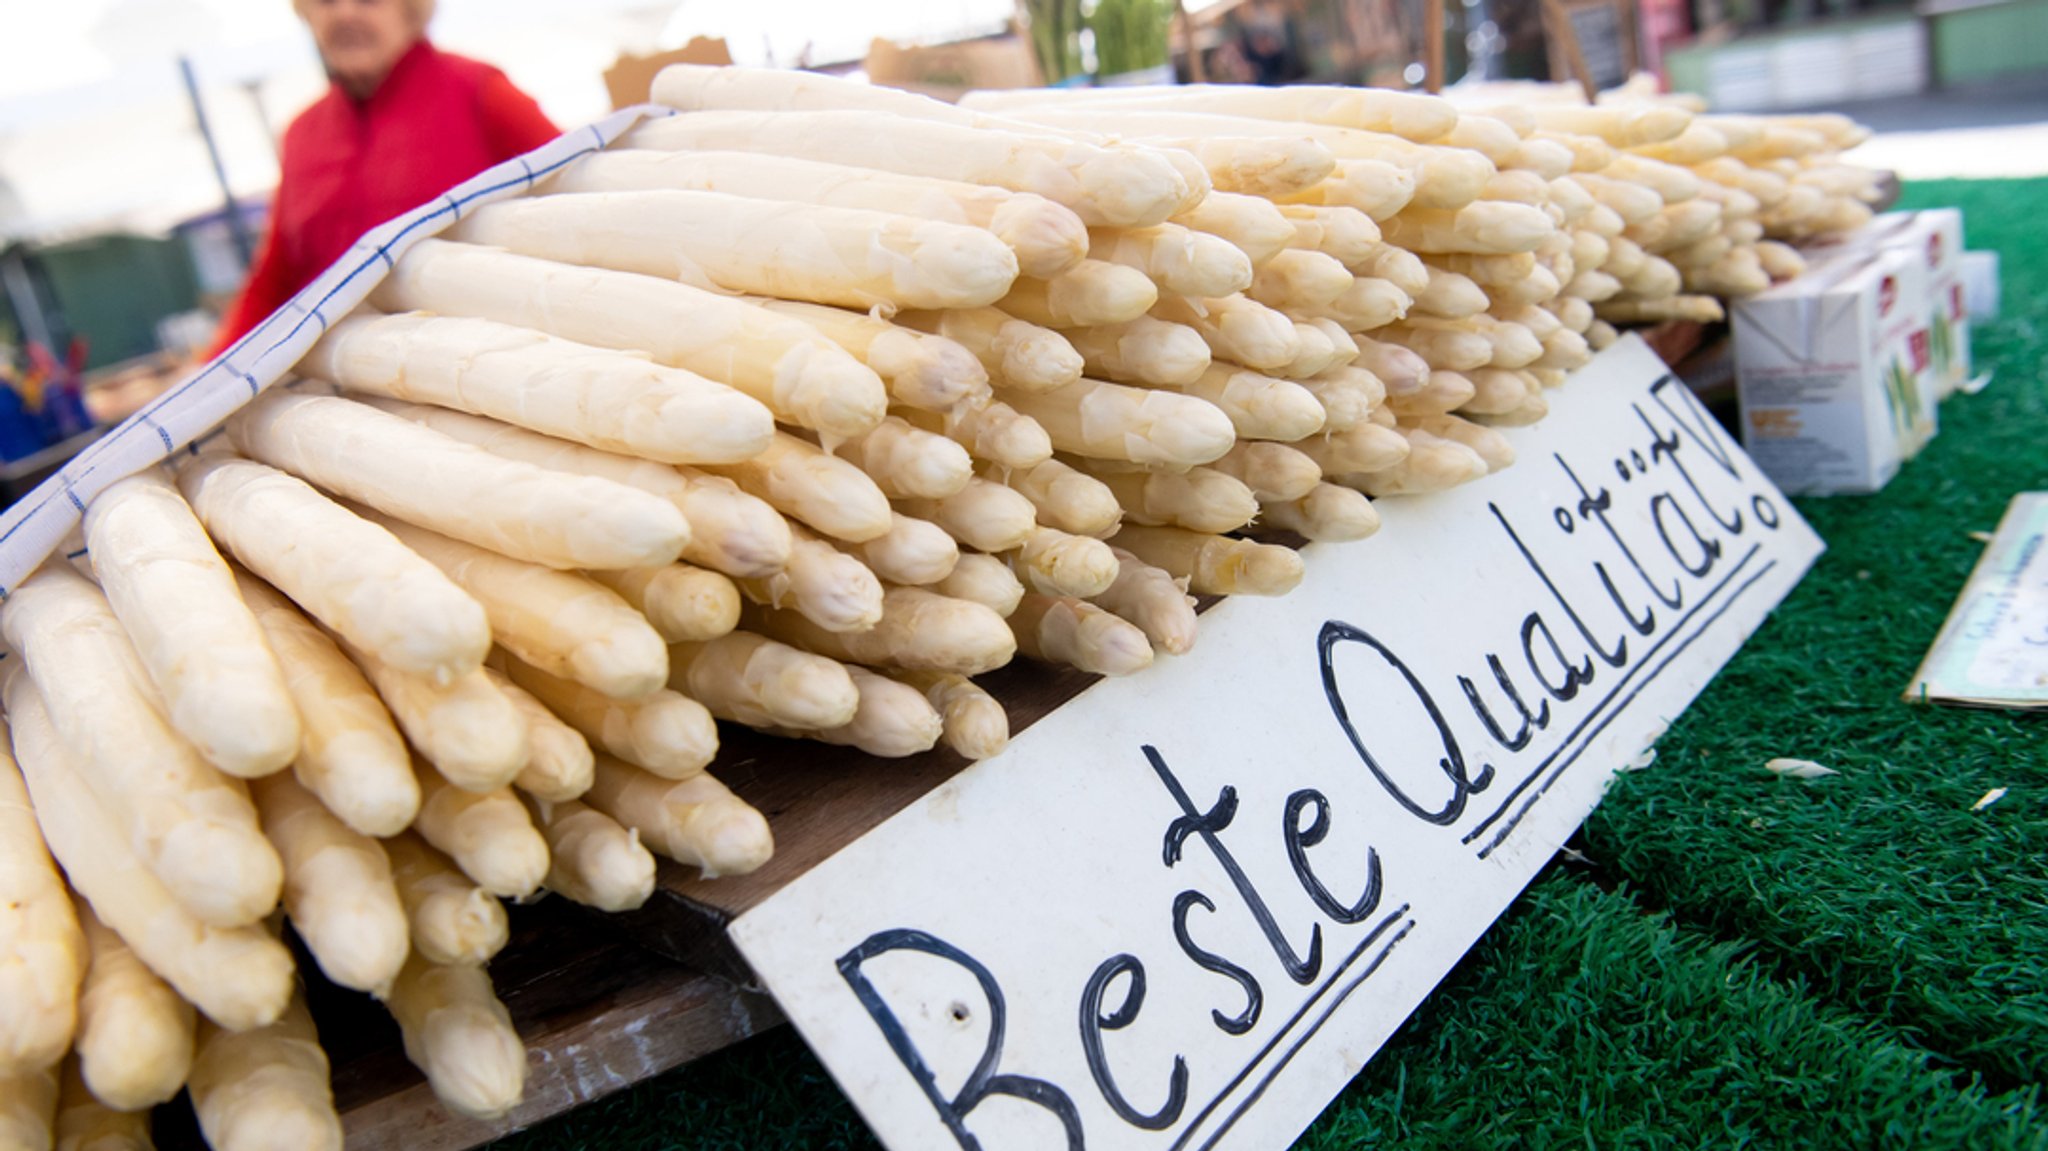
(402,123)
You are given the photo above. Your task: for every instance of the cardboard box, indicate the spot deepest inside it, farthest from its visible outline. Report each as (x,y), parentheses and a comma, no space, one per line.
(1832,373)
(631,77)
(1936,237)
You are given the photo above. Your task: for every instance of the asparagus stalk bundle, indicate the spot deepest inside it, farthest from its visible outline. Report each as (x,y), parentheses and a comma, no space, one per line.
(729,434)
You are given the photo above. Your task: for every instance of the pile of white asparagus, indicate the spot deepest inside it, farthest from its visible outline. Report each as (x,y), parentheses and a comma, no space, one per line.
(796,410)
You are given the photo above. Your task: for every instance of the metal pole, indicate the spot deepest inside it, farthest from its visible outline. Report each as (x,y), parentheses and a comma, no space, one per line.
(244,245)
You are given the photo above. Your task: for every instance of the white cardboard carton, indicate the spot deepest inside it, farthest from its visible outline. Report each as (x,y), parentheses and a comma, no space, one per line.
(1832,372)
(1936,237)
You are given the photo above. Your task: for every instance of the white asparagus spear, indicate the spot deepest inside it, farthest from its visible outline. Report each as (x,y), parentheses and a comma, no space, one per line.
(451,919)
(1214,565)
(1252,225)
(1490,445)
(1047,238)
(836,591)
(1621,125)
(1489,136)
(1016,353)
(1450,296)
(43,954)
(1144,351)
(1061,629)
(1588,153)
(1319,351)
(1258,407)
(592,859)
(1407,114)
(1298,281)
(914,552)
(974,723)
(1200,499)
(346,572)
(1498,392)
(985,516)
(1252,165)
(1445,392)
(1271,471)
(265,1088)
(919,629)
(1519,187)
(1697,309)
(1329,513)
(240,976)
(1381,186)
(1054,562)
(756,681)
(668,734)
(1092,292)
(1111,421)
(846,256)
(84,1123)
(1176,258)
(1367,447)
(134,1047)
(698,821)
(560,622)
(1485,226)
(1368,304)
(1348,396)
(803,378)
(1547,158)
(337,889)
(421,476)
(221,686)
(1434,464)
(613,400)
(1346,235)
(1107,186)
(682,602)
(730,531)
(1453,347)
(467,727)
(460,1036)
(992,431)
(909,462)
(350,752)
(191,826)
(1399,267)
(488,834)
(1155,601)
(984,580)
(1399,370)
(558,764)
(893,720)
(809,484)
(1237,329)
(1065,498)
(922,370)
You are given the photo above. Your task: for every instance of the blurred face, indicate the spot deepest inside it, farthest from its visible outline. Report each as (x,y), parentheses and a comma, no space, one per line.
(360,40)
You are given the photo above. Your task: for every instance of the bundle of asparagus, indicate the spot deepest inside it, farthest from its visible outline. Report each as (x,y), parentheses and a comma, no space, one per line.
(797,411)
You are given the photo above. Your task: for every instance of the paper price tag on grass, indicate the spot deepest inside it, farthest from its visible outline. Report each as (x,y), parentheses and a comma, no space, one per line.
(1993,651)
(1184,909)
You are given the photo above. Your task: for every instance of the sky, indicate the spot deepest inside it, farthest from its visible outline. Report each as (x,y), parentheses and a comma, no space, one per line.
(96,129)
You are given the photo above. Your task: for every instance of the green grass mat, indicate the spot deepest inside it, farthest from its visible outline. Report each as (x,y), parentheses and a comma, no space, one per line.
(1856,961)
(1879,886)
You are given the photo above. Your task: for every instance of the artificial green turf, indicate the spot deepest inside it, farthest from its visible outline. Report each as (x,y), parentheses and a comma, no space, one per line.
(1879,886)
(1580,1021)
(1856,961)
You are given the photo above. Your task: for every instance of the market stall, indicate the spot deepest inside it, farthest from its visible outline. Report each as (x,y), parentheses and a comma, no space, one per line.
(836,435)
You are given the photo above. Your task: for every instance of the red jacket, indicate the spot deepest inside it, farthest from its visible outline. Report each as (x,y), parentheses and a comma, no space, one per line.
(349,165)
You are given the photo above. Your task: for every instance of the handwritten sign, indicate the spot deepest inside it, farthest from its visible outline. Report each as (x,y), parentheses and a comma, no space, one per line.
(1183,910)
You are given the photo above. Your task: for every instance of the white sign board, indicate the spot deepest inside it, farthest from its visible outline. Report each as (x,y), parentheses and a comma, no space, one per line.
(1184,909)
